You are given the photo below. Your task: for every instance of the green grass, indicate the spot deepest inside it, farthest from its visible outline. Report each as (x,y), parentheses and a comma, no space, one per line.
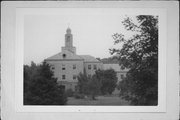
(100,100)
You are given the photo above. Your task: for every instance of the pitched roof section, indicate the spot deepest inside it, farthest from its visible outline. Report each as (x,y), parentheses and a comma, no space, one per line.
(72,56)
(88,58)
(68,56)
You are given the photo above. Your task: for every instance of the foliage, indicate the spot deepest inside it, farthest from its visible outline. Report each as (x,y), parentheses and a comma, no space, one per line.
(108,80)
(139,53)
(94,86)
(69,93)
(102,82)
(78,95)
(40,87)
(112,60)
(83,79)
(88,85)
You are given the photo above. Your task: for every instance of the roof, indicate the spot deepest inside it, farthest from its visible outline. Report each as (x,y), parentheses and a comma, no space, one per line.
(88,58)
(72,56)
(115,67)
(69,56)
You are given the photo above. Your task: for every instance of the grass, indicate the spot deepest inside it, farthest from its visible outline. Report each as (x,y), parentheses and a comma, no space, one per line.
(100,100)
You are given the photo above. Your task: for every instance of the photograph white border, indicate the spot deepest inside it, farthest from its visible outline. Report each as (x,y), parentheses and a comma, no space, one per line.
(9,85)
(19,45)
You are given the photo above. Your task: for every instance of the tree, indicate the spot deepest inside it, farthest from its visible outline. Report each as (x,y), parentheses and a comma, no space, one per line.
(139,53)
(40,87)
(82,85)
(102,82)
(94,86)
(88,85)
(108,80)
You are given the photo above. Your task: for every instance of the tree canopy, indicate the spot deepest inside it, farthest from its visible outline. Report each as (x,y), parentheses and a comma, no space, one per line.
(139,54)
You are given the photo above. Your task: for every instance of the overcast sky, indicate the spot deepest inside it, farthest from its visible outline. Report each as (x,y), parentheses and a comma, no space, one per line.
(92,31)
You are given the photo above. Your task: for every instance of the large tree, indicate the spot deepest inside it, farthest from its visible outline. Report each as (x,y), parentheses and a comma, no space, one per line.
(40,87)
(139,54)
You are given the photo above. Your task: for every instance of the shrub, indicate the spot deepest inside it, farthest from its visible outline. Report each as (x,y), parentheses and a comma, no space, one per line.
(69,93)
(78,96)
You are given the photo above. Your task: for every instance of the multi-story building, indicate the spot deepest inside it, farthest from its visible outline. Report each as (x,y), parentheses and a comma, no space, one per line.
(67,64)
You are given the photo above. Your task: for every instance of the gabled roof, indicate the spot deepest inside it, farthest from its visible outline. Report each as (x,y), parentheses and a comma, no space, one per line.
(88,58)
(72,56)
(68,56)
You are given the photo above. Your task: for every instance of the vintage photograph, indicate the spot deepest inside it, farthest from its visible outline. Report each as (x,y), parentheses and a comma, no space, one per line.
(90,57)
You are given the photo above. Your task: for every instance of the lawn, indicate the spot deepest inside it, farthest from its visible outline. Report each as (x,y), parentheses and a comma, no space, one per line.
(100,100)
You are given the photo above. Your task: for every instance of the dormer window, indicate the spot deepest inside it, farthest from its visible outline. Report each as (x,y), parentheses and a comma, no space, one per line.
(64,55)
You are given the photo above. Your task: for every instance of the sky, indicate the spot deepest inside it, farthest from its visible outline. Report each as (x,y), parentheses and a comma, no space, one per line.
(92,29)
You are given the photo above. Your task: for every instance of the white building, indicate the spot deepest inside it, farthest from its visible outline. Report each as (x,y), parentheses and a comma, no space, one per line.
(67,64)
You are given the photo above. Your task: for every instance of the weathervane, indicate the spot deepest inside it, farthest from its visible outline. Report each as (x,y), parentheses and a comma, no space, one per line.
(68,25)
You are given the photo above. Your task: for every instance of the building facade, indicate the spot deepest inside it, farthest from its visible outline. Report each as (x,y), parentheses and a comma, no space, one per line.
(66,65)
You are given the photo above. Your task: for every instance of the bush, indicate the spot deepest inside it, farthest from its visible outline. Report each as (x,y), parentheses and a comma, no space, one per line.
(69,93)
(78,96)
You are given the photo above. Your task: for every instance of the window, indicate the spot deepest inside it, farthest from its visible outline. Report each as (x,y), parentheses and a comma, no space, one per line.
(74,66)
(52,68)
(64,55)
(63,77)
(63,67)
(74,77)
(95,67)
(89,67)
